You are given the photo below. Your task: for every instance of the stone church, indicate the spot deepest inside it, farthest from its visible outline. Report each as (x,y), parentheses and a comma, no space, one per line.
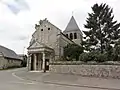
(48,42)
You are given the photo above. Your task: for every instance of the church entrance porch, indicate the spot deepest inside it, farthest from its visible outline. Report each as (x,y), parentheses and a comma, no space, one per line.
(36,62)
(39,58)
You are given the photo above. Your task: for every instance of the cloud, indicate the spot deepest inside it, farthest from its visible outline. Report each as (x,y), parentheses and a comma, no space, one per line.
(16,5)
(20,37)
(16,30)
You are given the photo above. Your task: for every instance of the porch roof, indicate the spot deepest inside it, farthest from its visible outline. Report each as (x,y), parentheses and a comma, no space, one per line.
(39,47)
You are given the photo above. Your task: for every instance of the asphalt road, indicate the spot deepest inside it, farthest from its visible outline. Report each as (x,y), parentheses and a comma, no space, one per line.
(9,81)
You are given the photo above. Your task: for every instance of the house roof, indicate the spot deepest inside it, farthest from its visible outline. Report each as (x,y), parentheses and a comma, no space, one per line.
(8,53)
(37,44)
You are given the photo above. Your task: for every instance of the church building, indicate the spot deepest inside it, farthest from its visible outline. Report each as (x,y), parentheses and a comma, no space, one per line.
(48,42)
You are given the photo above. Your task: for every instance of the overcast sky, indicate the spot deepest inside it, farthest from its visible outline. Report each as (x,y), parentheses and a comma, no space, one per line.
(16,29)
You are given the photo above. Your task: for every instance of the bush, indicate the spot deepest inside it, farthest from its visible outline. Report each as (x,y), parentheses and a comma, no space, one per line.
(93,56)
(116,53)
(101,58)
(62,59)
(85,57)
(72,52)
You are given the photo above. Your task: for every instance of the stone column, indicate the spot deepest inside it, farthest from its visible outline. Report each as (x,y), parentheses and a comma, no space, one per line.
(29,62)
(35,59)
(43,64)
(39,62)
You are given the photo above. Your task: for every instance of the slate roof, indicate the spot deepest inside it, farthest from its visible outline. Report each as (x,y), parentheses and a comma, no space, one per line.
(8,53)
(72,25)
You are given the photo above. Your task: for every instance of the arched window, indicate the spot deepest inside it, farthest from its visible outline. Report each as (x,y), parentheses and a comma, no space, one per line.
(66,35)
(71,36)
(75,35)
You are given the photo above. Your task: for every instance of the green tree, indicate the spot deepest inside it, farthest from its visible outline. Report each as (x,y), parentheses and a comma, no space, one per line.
(72,51)
(102,30)
(116,51)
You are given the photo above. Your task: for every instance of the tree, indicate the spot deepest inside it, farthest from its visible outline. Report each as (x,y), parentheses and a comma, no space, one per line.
(72,51)
(24,61)
(116,51)
(102,32)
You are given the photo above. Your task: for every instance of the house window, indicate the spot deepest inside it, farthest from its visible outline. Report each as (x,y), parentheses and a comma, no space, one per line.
(41,29)
(75,35)
(71,36)
(48,28)
(66,35)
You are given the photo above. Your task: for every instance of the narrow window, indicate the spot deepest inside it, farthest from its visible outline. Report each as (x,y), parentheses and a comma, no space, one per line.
(71,36)
(48,28)
(75,35)
(41,29)
(66,35)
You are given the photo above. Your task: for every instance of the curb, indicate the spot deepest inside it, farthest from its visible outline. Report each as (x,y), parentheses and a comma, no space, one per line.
(76,85)
(66,84)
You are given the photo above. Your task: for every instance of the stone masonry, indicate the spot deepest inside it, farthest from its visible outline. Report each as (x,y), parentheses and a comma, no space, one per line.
(104,71)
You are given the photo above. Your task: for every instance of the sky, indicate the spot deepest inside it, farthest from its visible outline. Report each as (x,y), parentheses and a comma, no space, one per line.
(16,28)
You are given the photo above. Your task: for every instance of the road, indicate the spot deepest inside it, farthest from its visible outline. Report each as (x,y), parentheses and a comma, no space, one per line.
(9,81)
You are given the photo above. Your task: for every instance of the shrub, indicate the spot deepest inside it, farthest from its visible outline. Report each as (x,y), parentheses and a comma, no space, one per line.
(62,59)
(101,57)
(85,57)
(93,56)
(72,52)
(116,53)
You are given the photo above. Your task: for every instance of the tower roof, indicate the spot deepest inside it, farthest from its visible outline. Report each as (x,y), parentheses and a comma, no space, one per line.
(72,25)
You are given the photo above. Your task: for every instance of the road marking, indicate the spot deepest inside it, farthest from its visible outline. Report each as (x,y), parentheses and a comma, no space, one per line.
(27,81)
(17,76)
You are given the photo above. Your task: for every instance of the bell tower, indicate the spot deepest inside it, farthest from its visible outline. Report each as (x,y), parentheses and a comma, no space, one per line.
(73,32)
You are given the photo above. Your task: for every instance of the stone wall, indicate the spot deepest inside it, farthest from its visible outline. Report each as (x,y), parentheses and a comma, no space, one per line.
(6,63)
(105,71)
(2,62)
(13,63)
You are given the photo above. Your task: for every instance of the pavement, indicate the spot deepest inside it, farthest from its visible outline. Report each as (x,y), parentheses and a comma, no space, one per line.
(20,79)
(73,81)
